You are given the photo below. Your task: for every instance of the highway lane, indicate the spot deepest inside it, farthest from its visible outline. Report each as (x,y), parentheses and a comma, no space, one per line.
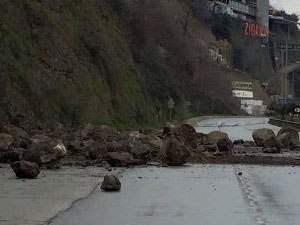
(235,127)
(198,194)
(195,194)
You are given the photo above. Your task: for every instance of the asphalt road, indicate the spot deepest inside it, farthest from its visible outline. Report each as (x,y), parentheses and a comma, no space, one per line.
(189,195)
(235,127)
(194,195)
(35,202)
(198,194)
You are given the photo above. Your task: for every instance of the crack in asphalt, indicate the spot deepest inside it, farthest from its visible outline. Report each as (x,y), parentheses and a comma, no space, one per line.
(73,204)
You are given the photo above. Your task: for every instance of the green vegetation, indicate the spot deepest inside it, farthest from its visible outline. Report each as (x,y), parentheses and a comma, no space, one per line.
(104,61)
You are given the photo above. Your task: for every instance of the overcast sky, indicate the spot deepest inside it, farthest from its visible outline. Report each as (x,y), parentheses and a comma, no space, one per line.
(290,6)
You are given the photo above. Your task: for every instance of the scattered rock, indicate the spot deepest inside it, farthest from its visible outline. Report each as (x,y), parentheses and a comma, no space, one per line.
(285,139)
(225,145)
(141,152)
(272,143)
(266,138)
(207,148)
(56,129)
(6,141)
(271,150)
(121,159)
(12,155)
(115,146)
(261,135)
(99,132)
(207,154)
(249,144)
(24,169)
(203,139)
(16,132)
(97,151)
(294,134)
(111,183)
(138,150)
(106,165)
(21,137)
(154,145)
(215,136)
(238,142)
(44,150)
(188,135)
(173,152)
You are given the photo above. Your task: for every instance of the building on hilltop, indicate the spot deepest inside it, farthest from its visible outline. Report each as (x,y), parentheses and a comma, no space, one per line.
(247,10)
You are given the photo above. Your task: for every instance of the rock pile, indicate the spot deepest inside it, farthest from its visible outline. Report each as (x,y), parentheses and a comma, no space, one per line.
(53,145)
(267,139)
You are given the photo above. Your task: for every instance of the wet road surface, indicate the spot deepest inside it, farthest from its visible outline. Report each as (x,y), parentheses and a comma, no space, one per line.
(193,195)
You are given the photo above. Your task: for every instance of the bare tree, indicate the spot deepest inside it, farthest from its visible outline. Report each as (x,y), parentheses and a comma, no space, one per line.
(186,21)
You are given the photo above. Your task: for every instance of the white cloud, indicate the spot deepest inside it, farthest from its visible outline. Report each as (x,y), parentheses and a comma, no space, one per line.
(290,6)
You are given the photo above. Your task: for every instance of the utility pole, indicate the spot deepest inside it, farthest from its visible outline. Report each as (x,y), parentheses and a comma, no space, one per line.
(285,77)
(262,46)
(287,46)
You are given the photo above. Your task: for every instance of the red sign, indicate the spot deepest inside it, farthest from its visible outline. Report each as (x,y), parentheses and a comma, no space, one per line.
(255,29)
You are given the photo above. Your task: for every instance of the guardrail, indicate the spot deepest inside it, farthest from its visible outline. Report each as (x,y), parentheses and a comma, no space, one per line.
(284,123)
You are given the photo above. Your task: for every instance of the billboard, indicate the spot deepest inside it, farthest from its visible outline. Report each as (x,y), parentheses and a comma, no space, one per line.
(290,47)
(240,85)
(242,94)
(255,29)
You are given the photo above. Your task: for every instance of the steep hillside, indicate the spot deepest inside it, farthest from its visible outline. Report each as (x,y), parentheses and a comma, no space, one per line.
(105,61)
(67,60)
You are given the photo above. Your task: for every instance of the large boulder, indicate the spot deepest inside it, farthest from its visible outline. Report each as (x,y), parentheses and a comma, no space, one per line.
(207,148)
(21,137)
(173,152)
(115,146)
(203,139)
(266,138)
(45,150)
(24,169)
(139,150)
(15,131)
(153,142)
(106,132)
(52,129)
(184,133)
(12,155)
(285,139)
(215,136)
(225,145)
(97,150)
(145,148)
(293,136)
(111,183)
(121,159)
(6,141)
(187,134)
